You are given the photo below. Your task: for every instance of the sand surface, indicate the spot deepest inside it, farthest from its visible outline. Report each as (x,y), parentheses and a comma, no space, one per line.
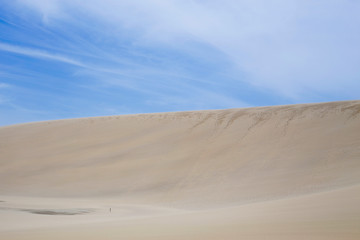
(283,172)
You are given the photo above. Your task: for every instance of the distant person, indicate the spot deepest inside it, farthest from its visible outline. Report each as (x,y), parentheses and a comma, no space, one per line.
(110,210)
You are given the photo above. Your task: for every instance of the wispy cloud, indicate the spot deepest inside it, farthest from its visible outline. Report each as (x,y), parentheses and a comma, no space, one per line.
(4,85)
(37,53)
(287,46)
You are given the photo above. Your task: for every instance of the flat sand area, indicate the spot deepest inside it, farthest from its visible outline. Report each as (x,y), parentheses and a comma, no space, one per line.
(282,172)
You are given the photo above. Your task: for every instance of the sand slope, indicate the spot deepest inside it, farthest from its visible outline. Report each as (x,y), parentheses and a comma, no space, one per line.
(284,172)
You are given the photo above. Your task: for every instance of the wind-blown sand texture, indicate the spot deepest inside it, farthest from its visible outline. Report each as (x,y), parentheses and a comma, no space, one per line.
(282,172)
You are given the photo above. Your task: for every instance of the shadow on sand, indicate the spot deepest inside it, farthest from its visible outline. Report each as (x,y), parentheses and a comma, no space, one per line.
(76,211)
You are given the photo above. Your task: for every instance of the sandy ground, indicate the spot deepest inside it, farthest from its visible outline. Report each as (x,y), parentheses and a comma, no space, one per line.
(285,172)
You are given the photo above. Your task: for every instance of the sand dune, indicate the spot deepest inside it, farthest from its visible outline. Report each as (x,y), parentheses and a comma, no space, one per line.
(283,172)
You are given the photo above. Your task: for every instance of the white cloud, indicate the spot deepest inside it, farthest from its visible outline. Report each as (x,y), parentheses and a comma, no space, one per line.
(289,46)
(36,53)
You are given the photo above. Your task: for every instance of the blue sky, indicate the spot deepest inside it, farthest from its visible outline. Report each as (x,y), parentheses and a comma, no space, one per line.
(72,58)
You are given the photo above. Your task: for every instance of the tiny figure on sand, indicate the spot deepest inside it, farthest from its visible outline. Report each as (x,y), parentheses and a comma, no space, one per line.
(110,210)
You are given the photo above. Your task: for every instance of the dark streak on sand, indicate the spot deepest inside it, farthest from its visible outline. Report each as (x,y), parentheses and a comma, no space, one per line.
(58,212)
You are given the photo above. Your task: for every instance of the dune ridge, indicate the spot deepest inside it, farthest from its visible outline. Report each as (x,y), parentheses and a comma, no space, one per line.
(188,165)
